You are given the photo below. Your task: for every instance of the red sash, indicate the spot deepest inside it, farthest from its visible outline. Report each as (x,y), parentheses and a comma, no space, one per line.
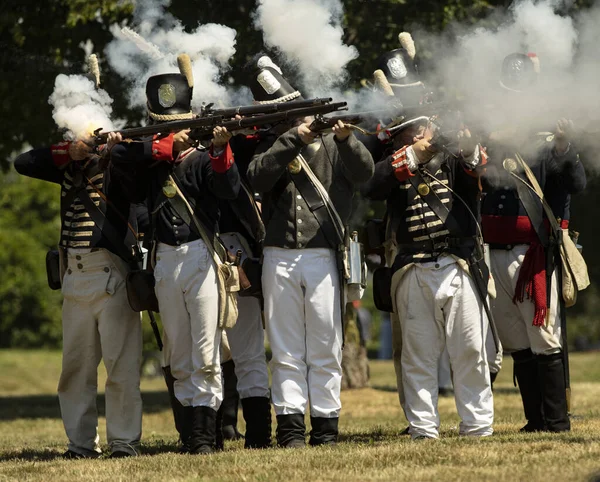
(532,275)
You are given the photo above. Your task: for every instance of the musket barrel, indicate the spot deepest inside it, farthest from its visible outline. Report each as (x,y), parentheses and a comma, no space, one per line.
(243,110)
(285,115)
(164,128)
(267,108)
(203,125)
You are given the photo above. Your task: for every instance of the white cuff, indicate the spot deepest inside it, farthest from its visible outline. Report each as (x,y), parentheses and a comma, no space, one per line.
(411,159)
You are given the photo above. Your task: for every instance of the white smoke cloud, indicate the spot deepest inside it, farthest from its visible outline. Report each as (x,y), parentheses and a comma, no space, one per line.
(308,34)
(154,51)
(469,61)
(79,107)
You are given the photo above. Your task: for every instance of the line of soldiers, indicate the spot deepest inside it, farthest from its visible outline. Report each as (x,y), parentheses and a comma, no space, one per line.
(437,280)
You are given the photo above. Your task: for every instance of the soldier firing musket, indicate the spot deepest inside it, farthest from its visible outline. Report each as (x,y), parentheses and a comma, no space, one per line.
(429,178)
(93,258)
(526,207)
(302,283)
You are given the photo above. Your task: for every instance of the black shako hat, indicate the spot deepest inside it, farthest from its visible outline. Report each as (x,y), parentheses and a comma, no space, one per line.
(169,97)
(268,85)
(519,71)
(399,66)
(397,73)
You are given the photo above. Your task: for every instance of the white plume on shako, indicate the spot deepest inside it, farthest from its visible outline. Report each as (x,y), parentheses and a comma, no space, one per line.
(79,107)
(308,35)
(153,48)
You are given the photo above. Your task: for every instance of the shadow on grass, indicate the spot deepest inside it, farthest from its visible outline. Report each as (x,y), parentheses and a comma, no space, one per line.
(393,389)
(385,388)
(159,447)
(369,436)
(44,455)
(47,406)
(510,437)
(48,455)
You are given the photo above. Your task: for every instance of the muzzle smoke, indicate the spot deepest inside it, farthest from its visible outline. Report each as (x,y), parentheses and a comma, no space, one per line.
(308,35)
(152,47)
(79,107)
(470,60)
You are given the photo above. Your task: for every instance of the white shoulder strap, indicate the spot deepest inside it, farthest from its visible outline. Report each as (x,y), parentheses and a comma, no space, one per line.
(337,220)
(203,234)
(538,190)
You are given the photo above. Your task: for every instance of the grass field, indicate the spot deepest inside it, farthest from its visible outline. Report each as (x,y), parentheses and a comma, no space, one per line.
(32,437)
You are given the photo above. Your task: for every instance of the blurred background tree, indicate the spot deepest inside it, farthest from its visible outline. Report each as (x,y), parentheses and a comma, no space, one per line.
(39,40)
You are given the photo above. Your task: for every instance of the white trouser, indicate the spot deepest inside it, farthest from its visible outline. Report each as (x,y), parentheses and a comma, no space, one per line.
(302,308)
(438,307)
(494,358)
(99,324)
(188,297)
(247,338)
(515,320)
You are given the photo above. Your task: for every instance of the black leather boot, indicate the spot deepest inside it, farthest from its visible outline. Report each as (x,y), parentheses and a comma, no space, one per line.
(526,373)
(554,392)
(230,403)
(291,431)
(203,437)
(324,431)
(185,434)
(257,414)
(182,415)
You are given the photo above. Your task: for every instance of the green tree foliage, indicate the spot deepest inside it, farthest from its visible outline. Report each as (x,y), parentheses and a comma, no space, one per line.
(29,226)
(39,40)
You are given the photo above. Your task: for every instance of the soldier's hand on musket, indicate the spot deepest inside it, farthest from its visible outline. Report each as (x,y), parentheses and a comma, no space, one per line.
(423,148)
(181,141)
(563,135)
(221,136)
(306,135)
(113,139)
(466,142)
(80,149)
(342,131)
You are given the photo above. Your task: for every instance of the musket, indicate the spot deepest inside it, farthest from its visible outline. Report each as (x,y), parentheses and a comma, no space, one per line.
(155,330)
(322,124)
(250,110)
(394,114)
(202,127)
(285,116)
(100,138)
